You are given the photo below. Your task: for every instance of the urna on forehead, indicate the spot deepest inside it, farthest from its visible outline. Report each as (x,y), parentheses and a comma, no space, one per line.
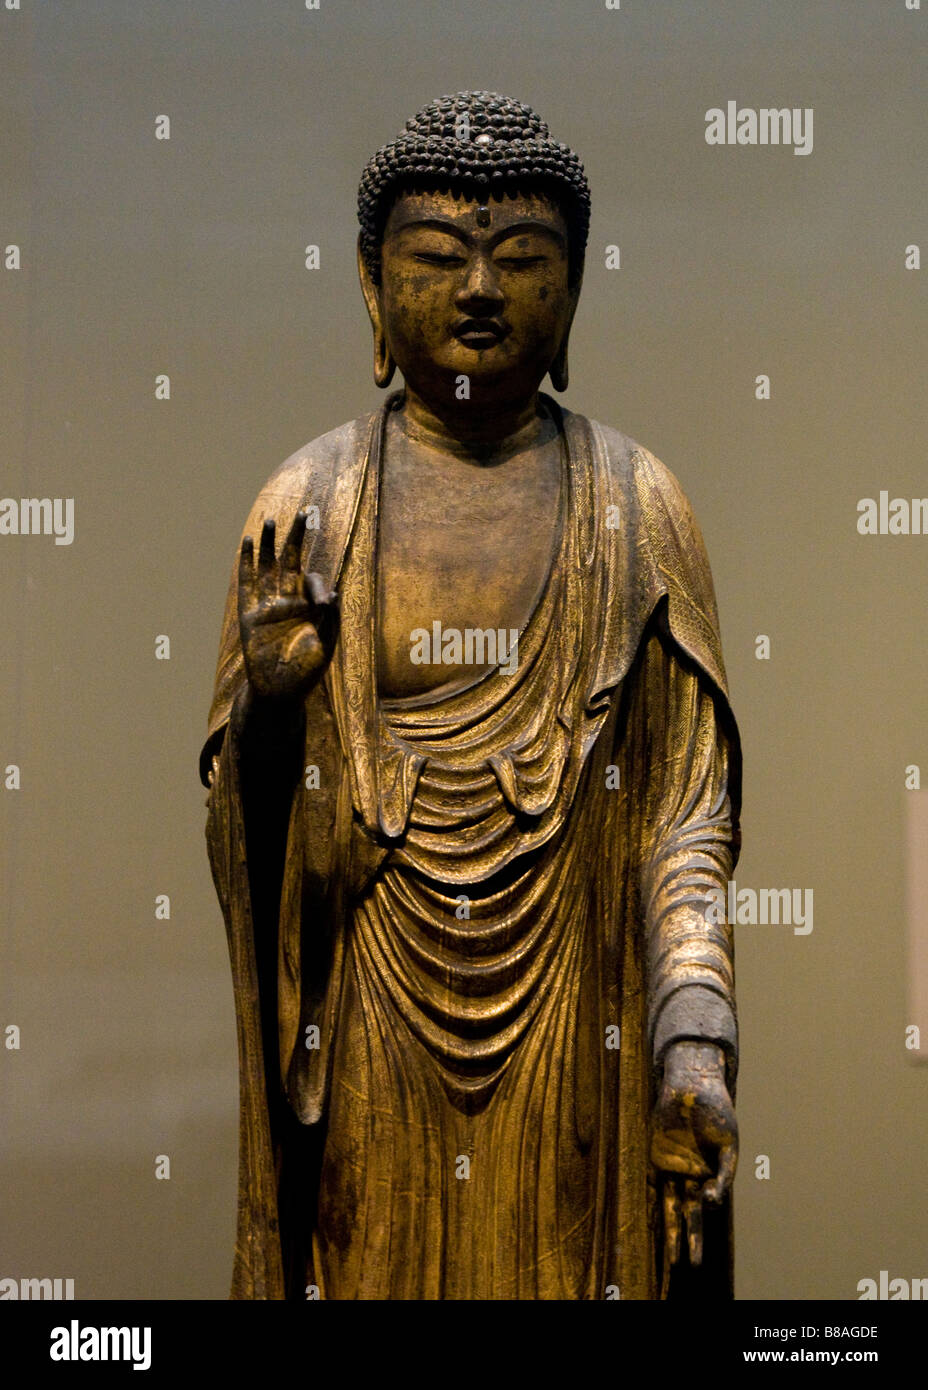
(478,145)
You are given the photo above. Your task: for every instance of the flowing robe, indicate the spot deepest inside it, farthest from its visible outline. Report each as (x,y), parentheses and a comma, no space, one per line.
(462,946)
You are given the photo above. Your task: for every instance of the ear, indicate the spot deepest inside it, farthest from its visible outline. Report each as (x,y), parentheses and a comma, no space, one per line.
(384,366)
(558,370)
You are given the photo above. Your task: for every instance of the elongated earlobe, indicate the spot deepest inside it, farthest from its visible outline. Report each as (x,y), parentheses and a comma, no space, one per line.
(384,365)
(558,370)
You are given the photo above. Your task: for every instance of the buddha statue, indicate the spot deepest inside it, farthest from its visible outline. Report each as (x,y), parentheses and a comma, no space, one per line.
(473,780)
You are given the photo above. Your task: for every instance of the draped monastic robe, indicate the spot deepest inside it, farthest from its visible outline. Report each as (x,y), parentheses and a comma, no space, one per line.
(464,928)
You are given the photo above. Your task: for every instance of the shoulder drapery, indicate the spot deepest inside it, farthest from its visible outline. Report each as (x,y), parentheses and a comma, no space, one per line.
(638,545)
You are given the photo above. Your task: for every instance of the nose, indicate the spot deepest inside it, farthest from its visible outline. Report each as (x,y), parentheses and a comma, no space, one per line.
(480,289)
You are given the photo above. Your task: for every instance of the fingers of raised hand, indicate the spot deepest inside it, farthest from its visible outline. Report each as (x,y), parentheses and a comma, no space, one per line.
(267,561)
(323,605)
(291,574)
(272,577)
(246,574)
(318,592)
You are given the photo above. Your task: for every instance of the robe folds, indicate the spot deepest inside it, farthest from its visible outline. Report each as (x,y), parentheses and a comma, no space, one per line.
(461,947)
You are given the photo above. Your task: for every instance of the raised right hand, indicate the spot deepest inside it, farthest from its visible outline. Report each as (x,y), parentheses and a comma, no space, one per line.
(288,620)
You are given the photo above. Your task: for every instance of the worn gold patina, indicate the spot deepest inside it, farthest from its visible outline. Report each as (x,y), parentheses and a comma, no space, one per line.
(486,1030)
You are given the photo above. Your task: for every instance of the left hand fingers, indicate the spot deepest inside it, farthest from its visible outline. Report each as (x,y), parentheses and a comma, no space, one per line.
(717,1187)
(682,1215)
(676,1151)
(686,1212)
(673,1221)
(692,1215)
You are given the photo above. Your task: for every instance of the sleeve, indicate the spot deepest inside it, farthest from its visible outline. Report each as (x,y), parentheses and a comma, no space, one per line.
(325,475)
(689,854)
(278,501)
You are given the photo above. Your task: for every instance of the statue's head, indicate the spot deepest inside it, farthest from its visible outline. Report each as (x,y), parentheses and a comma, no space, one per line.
(473,230)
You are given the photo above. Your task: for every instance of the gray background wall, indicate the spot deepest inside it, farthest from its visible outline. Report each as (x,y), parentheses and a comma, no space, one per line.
(186,257)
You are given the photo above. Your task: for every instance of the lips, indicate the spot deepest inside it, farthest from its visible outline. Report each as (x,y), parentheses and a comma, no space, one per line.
(480,333)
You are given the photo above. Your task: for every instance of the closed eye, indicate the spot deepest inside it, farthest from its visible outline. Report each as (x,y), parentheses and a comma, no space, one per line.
(518,262)
(438,258)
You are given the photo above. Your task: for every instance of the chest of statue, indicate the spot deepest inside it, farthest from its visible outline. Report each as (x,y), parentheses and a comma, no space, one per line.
(464,545)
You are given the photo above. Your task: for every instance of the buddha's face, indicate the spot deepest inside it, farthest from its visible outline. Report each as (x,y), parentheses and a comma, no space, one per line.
(476,290)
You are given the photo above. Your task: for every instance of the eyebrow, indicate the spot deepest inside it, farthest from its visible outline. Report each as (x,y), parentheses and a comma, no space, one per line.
(437,224)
